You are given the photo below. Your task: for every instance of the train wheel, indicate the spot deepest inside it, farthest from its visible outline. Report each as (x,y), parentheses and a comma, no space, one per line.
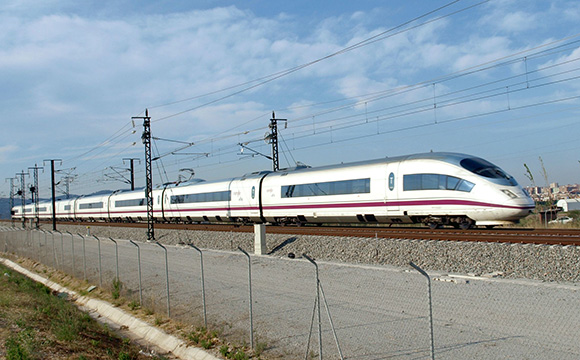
(464,225)
(433,226)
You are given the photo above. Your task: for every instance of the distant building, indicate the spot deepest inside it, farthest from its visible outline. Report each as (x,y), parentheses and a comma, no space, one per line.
(569,204)
(554,192)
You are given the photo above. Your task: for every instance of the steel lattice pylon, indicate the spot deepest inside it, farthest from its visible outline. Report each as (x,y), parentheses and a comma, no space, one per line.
(146,138)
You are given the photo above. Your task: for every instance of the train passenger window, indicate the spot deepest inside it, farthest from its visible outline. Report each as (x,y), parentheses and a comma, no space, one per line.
(452,182)
(342,187)
(435,182)
(412,182)
(133,202)
(67,207)
(202,197)
(430,182)
(465,185)
(96,205)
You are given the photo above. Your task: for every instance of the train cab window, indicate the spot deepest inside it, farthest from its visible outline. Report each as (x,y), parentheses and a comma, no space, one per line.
(435,182)
(488,170)
(67,207)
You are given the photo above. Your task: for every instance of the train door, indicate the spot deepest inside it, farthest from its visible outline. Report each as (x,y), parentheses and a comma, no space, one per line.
(392,189)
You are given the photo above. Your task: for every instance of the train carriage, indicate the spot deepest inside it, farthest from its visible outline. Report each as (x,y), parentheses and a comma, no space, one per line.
(91,208)
(460,190)
(127,206)
(203,201)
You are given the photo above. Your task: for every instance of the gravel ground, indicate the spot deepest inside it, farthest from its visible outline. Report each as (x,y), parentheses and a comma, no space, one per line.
(516,261)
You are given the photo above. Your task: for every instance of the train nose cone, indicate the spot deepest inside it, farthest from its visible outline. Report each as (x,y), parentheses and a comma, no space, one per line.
(522,206)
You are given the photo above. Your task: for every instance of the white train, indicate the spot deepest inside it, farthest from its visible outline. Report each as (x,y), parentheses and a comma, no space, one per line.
(433,188)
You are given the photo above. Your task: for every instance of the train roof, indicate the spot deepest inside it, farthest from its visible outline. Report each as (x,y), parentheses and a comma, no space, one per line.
(448,157)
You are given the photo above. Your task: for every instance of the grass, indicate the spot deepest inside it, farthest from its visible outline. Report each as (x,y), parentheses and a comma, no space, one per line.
(22,345)
(37,324)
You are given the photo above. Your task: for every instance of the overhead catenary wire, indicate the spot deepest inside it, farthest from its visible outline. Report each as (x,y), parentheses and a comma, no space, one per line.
(381,36)
(426,83)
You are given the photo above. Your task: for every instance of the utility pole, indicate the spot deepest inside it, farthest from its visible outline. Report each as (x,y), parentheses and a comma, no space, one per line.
(274,139)
(132,169)
(146,138)
(22,193)
(53,190)
(34,190)
(11,198)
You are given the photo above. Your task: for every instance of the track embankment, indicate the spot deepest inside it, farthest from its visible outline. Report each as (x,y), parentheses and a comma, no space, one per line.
(516,259)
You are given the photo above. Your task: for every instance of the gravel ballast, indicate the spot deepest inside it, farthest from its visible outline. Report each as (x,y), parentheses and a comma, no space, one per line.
(515,261)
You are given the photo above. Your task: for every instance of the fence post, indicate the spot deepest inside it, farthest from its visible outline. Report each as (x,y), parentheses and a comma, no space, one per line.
(116,257)
(430,306)
(250,291)
(72,244)
(100,266)
(166,278)
(54,257)
(318,302)
(139,267)
(84,257)
(61,249)
(39,246)
(202,284)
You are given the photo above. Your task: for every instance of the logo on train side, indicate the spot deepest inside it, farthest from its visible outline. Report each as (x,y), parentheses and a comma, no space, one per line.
(391,181)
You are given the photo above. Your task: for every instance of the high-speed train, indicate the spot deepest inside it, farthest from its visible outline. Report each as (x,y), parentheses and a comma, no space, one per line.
(433,188)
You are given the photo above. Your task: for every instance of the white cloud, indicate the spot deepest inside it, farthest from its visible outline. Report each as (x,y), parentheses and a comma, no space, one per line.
(6,150)
(507,21)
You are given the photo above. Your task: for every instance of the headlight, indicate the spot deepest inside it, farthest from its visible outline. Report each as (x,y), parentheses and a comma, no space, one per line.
(509,193)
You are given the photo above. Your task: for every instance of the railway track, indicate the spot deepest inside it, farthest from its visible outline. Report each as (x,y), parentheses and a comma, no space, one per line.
(509,235)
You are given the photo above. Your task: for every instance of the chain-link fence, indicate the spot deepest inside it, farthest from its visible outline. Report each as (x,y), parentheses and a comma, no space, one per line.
(300,308)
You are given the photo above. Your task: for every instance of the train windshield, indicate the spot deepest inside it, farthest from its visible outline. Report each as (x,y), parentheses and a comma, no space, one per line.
(486,169)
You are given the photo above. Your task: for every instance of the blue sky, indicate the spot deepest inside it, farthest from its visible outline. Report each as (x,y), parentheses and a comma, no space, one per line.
(496,79)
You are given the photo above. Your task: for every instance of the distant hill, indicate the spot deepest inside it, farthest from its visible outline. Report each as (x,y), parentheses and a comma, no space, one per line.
(4,208)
